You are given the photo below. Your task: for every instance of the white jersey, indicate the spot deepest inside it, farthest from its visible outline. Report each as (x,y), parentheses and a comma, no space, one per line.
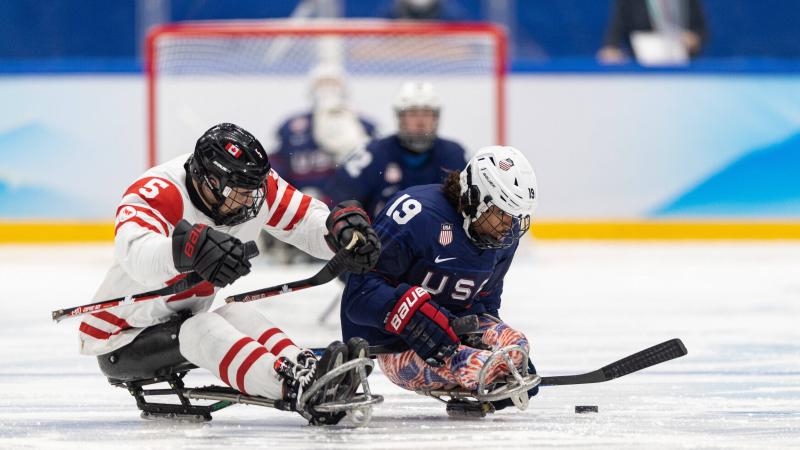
(146,216)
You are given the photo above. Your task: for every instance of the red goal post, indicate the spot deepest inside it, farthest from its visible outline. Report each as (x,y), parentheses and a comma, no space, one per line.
(255,74)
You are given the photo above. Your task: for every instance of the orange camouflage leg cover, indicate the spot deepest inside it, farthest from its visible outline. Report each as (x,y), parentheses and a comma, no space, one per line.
(409,371)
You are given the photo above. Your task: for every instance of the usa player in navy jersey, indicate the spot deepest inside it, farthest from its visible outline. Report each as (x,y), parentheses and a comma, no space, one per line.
(414,155)
(446,249)
(310,145)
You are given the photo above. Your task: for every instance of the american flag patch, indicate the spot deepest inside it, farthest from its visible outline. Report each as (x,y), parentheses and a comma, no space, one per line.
(233,150)
(506,164)
(446,234)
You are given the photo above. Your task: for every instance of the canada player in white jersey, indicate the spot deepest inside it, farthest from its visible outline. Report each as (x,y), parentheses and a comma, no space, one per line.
(199,213)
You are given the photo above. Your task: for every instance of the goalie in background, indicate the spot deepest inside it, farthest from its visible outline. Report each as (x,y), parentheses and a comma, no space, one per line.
(309,146)
(446,249)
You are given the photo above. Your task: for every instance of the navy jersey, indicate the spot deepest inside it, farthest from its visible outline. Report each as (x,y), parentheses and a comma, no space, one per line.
(423,243)
(384,167)
(299,158)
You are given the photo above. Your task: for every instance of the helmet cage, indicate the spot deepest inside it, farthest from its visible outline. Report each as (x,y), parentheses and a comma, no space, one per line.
(243,205)
(501,238)
(477,212)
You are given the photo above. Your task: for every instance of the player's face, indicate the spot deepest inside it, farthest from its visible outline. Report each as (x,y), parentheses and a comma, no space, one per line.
(418,121)
(494,223)
(237,199)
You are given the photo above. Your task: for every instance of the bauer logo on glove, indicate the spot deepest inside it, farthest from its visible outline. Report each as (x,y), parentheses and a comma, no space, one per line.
(398,318)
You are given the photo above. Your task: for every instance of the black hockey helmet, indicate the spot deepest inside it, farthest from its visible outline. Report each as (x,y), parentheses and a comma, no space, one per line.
(233,165)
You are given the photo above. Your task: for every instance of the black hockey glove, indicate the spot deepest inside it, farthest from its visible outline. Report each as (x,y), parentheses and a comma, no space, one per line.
(423,325)
(216,256)
(345,218)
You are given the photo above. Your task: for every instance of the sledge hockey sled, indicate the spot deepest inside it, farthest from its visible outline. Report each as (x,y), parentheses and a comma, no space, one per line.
(154,358)
(462,402)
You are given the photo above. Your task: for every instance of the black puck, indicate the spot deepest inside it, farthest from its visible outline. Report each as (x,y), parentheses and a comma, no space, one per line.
(580,409)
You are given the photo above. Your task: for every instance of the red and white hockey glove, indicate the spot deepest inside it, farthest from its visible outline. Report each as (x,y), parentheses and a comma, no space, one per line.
(423,325)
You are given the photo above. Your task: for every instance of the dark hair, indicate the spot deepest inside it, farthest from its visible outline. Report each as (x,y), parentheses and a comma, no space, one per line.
(452,189)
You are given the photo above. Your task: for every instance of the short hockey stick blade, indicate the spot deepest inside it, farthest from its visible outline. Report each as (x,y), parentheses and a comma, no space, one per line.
(656,354)
(331,270)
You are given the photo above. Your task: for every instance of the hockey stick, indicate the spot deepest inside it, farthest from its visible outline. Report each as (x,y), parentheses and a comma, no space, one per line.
(332,269)
(192,280)
(656,354)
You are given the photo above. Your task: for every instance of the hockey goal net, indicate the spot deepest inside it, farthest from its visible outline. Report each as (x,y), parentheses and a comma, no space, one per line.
(255,74)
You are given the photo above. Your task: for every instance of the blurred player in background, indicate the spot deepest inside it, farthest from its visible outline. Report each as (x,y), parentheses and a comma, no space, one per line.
(198,213)
(414,155)
(310,145)
(446,249)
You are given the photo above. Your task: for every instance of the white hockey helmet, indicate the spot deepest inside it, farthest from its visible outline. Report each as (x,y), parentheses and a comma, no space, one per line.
(417,95)
(500,176)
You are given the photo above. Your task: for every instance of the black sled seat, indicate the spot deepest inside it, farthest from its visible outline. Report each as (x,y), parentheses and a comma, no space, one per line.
(153,354)
(154,357)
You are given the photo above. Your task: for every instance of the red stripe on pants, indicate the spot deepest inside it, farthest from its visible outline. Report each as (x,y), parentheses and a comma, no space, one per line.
(268,334)
(226,361)
(251,358)
(282,344)
(93,332)
(112,319)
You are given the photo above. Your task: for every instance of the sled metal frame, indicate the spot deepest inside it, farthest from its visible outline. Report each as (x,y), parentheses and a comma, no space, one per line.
(358,408)
(515,386)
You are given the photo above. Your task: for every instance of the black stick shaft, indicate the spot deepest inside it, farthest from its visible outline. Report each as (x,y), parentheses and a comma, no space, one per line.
(332,269)
(182,285)
(648,357)
(192,280)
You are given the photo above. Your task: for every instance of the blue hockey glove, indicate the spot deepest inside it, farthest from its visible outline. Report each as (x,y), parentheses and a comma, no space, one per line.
(423,325)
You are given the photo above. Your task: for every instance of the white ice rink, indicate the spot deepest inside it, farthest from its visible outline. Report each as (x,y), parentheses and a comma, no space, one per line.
(735,305)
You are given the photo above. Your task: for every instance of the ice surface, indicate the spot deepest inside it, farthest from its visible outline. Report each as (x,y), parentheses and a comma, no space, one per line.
(583,305)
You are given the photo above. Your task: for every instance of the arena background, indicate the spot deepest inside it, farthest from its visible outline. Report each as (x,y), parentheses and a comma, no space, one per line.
(706,150)
(669,208)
